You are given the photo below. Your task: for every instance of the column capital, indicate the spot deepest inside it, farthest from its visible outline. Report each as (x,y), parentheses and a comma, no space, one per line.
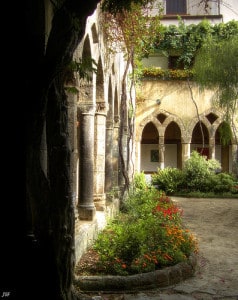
(186,139)
(109,124)
(87,108)
(101,108)
(116,121)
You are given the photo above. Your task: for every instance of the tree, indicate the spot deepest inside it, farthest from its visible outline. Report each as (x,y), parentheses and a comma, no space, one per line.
(132,32)
(48,232)
(216,68)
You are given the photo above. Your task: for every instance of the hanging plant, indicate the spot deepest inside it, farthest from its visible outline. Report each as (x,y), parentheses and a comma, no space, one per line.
(225,133)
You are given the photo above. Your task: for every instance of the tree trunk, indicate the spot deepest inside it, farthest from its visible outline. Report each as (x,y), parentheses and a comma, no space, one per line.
(123,130)
(48,259)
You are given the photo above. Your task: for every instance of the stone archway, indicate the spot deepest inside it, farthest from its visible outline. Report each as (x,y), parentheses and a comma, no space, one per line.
(176,131)
(150,154)
(86,114)
(99,140)
(200,139)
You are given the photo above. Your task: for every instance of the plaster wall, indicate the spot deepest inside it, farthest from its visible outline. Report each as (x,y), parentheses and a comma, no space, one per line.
(175,97)
(170,157)
(229,10)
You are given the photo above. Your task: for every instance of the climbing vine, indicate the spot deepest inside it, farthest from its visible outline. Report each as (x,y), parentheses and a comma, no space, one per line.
(185,40)
(205,44)
(132,32)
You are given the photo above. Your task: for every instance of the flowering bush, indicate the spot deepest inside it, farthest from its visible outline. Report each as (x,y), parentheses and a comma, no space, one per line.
(167,74)
(146,236)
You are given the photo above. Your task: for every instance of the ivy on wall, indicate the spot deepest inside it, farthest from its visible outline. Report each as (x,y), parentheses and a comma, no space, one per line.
(184,41)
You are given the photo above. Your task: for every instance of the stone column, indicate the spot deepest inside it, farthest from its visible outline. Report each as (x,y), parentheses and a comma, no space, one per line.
(72,112)
(161,152)
(212,148)
(186,142)
(99,156)
(212,143)
(86,207)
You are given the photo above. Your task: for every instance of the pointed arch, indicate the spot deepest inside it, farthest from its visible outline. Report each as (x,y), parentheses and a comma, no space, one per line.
(94,33)
(149,159)
(85,94)
(110,100)
(116,105)
(100,83)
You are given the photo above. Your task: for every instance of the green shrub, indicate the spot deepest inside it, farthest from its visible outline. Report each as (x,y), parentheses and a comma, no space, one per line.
(234,189)
(169,180)
(197,171)
(222,183)
(200,177)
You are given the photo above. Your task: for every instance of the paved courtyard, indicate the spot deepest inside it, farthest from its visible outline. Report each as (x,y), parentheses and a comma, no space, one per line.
(214,222)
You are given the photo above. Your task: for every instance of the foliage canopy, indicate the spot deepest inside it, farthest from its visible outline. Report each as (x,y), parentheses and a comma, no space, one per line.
(216,67)
(186,40)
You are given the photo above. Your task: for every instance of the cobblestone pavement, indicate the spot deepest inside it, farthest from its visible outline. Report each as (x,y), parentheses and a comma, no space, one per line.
(214,222)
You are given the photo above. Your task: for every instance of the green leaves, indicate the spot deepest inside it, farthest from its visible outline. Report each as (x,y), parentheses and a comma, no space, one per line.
(133,30)
(225,133)
(187,40)
(84,67)
(216,67)
(115,6)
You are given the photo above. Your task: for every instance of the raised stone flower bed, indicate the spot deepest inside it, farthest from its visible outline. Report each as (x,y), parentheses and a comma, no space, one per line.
(159,278)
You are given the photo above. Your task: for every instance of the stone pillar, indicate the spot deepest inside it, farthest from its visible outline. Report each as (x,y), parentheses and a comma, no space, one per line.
(99,156)
(212,148)
(108,159)
(185,150)
(72,112)
(86,207)
(161,152)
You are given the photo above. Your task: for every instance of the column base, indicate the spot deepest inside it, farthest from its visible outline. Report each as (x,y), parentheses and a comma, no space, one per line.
(86,213)
(100,202)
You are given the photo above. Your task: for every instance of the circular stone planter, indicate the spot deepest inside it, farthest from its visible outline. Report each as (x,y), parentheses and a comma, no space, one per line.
(159,278)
